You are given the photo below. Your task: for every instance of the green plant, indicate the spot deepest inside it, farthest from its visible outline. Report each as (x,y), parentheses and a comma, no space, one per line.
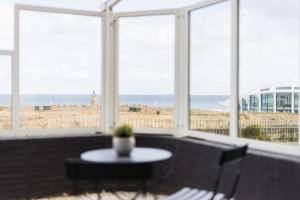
(123,131)
(255,131)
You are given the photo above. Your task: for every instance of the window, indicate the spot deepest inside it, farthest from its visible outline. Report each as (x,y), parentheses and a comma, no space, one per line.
(269,57)
(267,102)
(254,103)
(284,102)
(296,101)
(245,104)
(209,95)
(146,71)
(60,70)
(5,91)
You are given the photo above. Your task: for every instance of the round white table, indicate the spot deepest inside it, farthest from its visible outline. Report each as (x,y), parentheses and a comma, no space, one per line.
(137,166)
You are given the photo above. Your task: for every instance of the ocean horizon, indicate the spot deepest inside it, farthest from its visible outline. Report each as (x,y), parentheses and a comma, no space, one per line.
(211,102)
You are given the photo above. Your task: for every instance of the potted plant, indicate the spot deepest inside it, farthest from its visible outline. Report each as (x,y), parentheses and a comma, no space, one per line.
(123,140)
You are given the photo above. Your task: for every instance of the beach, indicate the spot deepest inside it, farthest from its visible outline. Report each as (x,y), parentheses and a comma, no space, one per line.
(277,127)
(60,116)
(140,116)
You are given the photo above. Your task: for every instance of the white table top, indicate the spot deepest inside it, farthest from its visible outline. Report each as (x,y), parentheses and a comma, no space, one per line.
(138,155)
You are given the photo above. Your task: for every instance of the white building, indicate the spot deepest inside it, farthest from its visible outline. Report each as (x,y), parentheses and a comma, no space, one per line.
(279,97)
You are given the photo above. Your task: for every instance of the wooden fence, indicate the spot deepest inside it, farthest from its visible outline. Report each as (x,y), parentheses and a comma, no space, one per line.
(275,130)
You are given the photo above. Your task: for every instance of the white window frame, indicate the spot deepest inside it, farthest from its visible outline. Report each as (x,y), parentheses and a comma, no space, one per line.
(109,69)
(32,132)
(233,75)
(177,67)
(234,112)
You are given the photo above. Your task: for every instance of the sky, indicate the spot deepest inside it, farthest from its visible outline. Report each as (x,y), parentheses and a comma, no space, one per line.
(61,54)
(210,50)
(64,55)
(149,60)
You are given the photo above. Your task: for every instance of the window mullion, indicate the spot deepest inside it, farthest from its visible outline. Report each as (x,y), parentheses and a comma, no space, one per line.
(178,111)
(104,101)
(185,31)
(181,77)
(234,115)
(15,74)
(110,95)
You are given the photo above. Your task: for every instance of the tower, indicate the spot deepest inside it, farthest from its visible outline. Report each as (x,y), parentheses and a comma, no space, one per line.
(93,101)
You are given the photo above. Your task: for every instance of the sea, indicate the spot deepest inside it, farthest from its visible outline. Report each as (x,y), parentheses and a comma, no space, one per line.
(210,102)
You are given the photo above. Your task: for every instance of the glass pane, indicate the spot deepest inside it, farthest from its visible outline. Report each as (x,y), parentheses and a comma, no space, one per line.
(210,68)
(7,14)
(269,70)
(60,70)
(146,71)
(138,5)
(5,91)
(6,25)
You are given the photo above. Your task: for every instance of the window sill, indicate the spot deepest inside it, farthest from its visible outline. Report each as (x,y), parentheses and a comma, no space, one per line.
(48,133)
(255,145)
(75,132)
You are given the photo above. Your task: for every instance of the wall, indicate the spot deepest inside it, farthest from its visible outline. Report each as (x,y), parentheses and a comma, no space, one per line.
(35,167)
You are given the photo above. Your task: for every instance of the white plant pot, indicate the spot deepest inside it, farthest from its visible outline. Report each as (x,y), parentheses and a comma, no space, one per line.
(123,146)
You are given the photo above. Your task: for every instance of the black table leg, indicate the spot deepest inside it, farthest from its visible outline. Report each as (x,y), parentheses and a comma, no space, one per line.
(75,187)
(97,189)
(145,187)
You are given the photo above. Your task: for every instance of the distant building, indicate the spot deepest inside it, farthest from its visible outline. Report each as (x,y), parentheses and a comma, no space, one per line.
(279,97)
(93,100)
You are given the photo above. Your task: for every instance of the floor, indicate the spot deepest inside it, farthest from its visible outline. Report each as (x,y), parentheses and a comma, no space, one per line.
(105,196)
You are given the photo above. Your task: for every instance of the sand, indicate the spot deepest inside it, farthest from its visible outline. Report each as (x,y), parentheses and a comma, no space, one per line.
(143,117)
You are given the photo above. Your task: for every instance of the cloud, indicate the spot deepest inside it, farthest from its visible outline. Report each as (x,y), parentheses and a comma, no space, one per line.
(62,53)
(147,56)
